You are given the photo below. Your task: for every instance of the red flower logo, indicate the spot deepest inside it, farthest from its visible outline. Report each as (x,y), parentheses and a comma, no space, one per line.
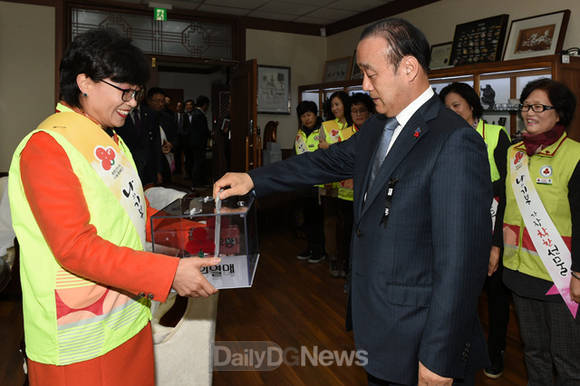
(519,156)
(334,132)
(106,156)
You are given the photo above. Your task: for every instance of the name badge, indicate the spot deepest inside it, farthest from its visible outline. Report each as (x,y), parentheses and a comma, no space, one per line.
(544,181)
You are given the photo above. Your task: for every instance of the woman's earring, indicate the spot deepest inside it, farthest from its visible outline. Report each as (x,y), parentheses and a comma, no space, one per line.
(85,94)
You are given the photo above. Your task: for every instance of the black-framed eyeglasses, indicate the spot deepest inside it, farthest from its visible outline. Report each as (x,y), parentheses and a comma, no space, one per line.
(128,93)
(536,108)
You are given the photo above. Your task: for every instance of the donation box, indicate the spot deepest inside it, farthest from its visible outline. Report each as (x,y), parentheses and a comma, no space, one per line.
(193,227)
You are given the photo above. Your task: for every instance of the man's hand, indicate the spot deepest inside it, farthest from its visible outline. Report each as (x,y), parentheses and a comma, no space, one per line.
(493,260)
(189,281)
(429,378)
(575,288)
(166,147)
(234,184)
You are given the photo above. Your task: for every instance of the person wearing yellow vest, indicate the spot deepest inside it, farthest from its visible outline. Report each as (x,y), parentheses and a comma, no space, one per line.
(542,234)
(361,109)
(79,214)
(307,140)
(463,99)
(337,129)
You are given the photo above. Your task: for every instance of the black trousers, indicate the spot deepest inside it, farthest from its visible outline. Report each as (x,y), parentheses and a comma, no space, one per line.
(179,152)
(344,225)
(313,225)
(498,306)
(551,338)
(195,159)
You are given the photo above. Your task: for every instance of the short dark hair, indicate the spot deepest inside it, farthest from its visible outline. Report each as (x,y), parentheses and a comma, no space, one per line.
(466,92)
(201,100)
(363,99)
(155,90)
(305,107)
(100,54)
(403,39)
(345,99)
(559,94)
(188,101)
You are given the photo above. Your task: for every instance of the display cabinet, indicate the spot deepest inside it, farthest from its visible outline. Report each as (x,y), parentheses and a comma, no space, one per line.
(499,84)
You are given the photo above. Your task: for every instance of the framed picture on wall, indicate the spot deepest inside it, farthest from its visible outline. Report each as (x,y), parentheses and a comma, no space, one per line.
(479,41)
(355,72)
(273,90)
(337,69)
(537,35)
(440,55)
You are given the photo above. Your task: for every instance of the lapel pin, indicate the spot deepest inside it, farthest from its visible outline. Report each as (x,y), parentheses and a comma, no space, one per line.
(417,132)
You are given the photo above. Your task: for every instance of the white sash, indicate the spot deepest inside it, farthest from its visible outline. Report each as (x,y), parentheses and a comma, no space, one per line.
(493,210)
(548,243)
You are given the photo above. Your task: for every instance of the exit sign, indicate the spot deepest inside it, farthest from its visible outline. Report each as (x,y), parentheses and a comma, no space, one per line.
(160,14)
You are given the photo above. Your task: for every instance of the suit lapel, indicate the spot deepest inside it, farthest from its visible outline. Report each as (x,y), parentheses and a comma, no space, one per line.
(415,129)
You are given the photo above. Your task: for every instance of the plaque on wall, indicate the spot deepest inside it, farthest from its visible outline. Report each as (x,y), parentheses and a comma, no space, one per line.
(479,41)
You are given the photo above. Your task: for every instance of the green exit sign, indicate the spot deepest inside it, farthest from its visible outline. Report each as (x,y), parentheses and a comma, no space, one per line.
(160,14)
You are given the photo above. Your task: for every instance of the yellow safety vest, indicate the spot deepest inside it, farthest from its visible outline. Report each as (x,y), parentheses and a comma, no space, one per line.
(337,131)
(56,334)
(303,143)
(490,135)
(551,170)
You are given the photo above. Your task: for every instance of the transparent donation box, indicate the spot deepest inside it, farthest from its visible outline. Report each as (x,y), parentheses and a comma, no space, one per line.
(194,226)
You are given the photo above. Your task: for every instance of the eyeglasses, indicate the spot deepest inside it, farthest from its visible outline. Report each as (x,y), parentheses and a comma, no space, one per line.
(128,93)
(358,111)
(536,108)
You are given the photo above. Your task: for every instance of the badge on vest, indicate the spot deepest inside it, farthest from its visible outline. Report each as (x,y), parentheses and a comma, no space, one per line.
(545,172)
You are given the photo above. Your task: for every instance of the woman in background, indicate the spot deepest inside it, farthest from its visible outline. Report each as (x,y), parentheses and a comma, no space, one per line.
(361,109)
(307,140)
(340,127)
(542,234)
(463,99)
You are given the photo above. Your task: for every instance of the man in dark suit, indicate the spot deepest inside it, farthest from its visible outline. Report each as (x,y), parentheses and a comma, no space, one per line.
(167,130)
(422,224)
(198,134)
(141,134)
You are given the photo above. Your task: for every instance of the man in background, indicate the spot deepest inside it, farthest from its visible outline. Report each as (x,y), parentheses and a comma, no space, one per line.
(141,134)
(198,135)
(181,138)
(156,101)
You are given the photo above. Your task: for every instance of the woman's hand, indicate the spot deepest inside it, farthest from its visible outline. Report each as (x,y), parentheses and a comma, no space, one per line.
(493,260)
(322,144)
(349,184)
(575,288)
(189,281)
(233,184)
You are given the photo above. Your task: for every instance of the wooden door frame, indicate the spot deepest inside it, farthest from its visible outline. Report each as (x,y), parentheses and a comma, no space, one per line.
(63,29)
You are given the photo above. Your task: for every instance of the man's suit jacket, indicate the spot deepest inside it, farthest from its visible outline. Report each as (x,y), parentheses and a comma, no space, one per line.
(416,274)
(144,141)
(198,130)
